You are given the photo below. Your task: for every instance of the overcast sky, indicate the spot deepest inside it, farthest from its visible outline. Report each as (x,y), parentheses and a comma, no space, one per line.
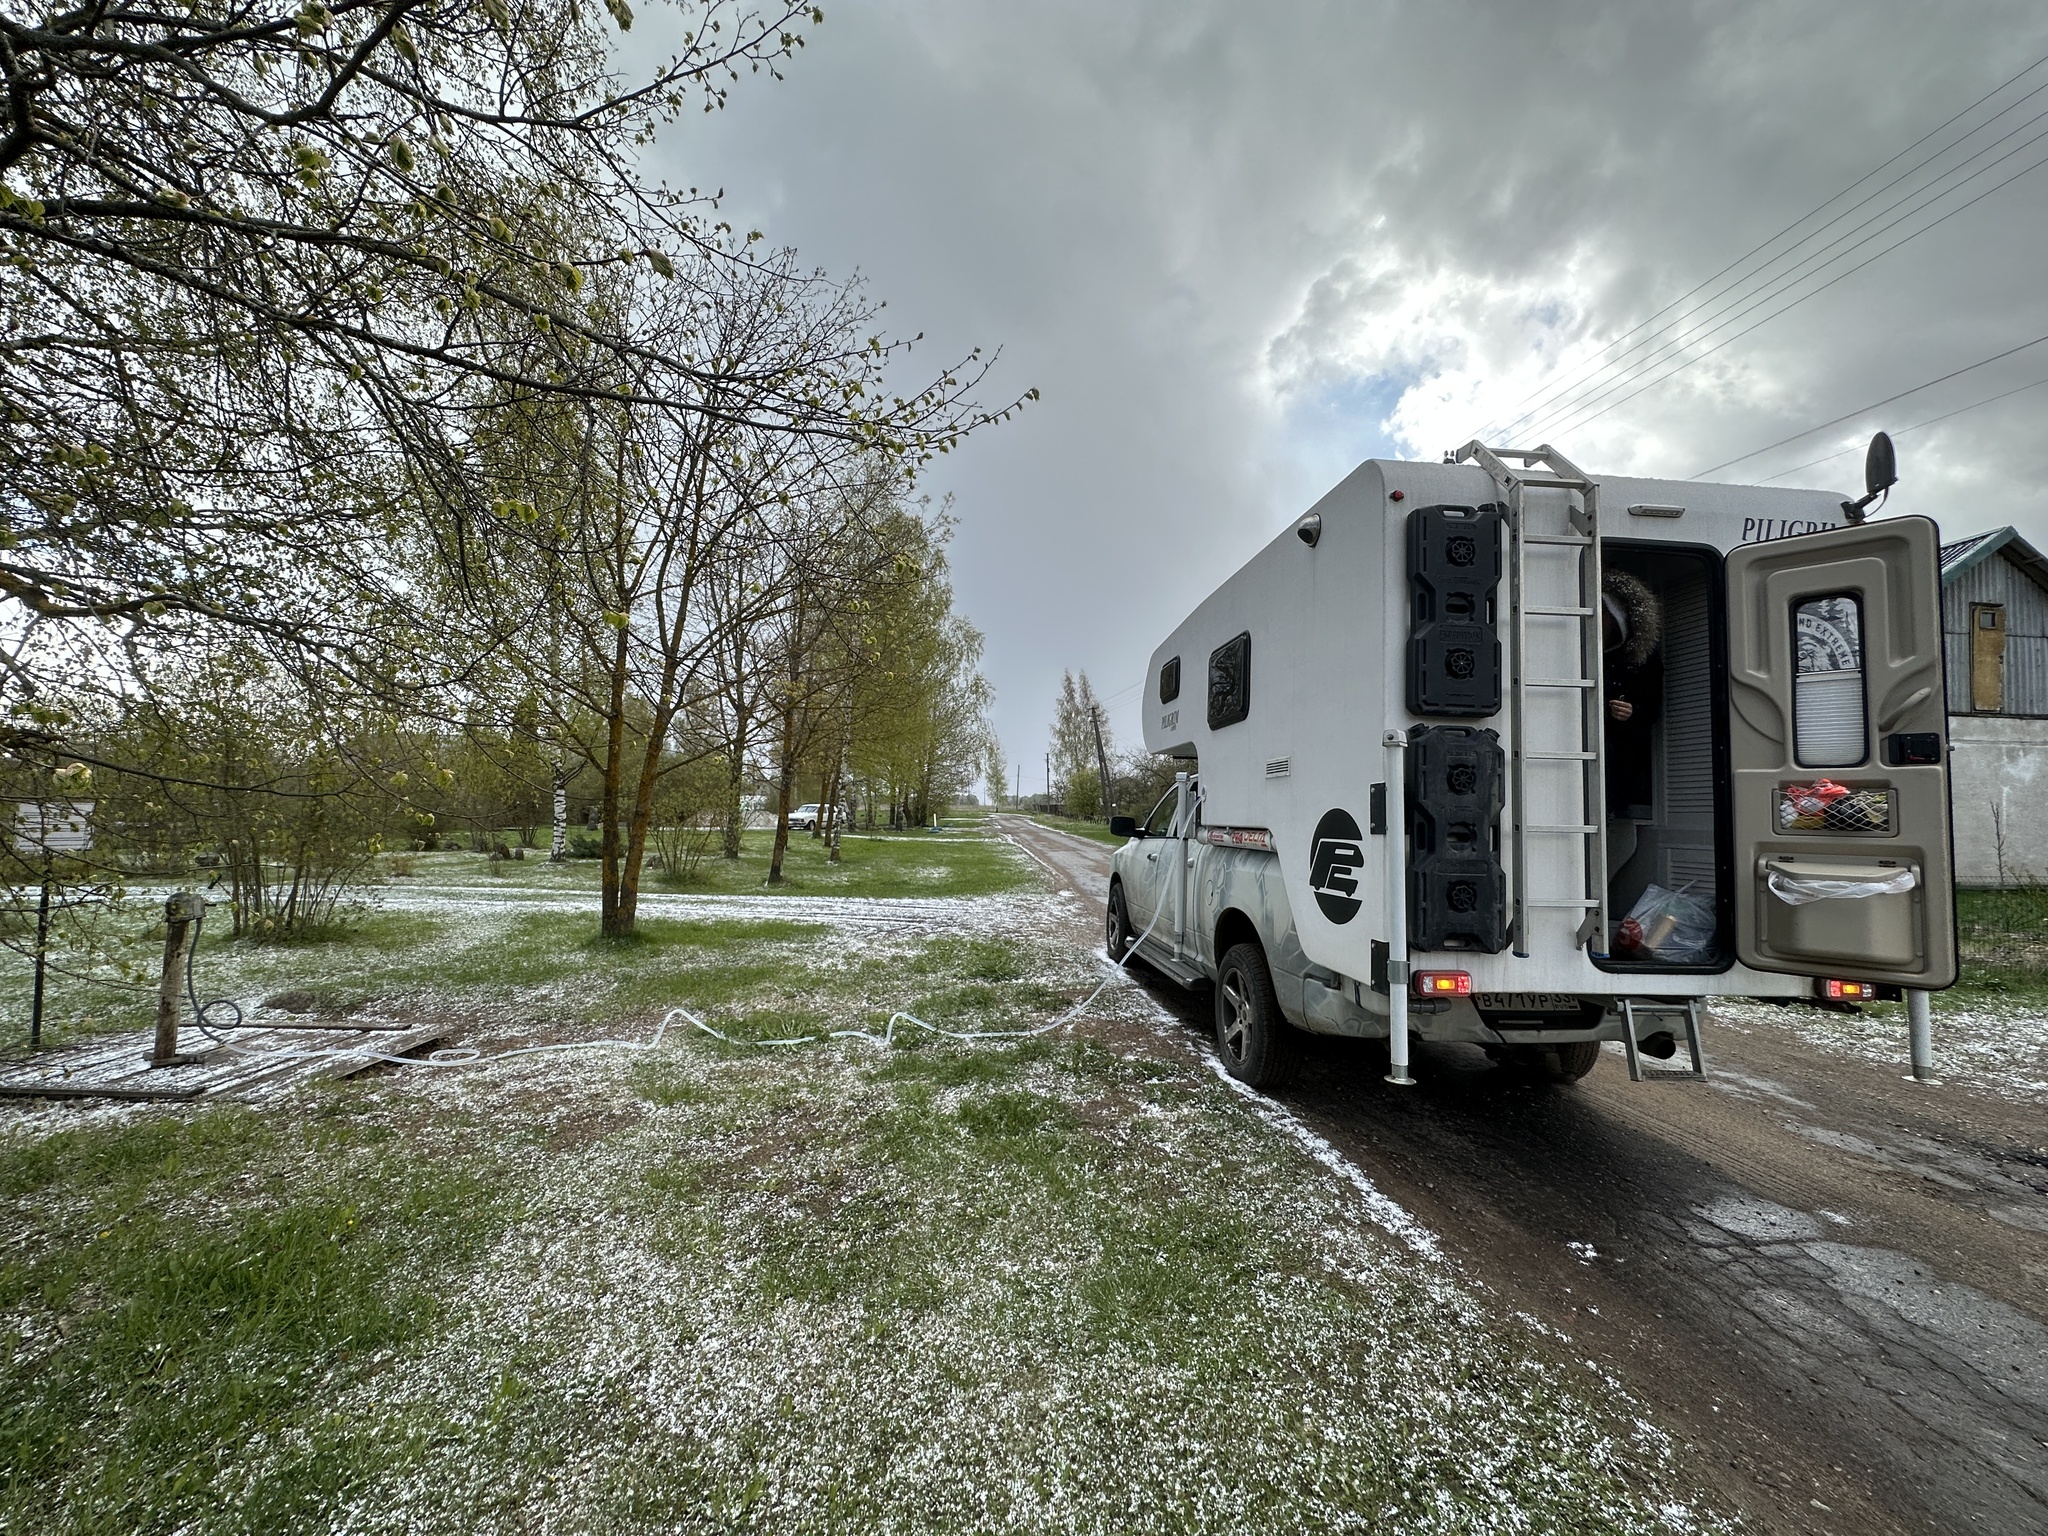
(1240,248)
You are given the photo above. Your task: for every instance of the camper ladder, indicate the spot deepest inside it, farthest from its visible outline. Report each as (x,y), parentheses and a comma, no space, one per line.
(1570,658)
(1637,1009)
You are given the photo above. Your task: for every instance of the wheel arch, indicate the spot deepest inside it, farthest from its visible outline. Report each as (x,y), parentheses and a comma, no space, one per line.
(1234,927)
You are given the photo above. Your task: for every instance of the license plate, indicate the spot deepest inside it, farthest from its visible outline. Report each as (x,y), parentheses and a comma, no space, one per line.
(1527,1002)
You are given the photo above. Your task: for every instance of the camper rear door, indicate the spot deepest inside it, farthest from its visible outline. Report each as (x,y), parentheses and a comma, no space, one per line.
(1838,738)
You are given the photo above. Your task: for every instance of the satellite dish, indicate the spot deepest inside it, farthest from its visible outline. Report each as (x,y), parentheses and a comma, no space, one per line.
(1880,465)
(1880,474)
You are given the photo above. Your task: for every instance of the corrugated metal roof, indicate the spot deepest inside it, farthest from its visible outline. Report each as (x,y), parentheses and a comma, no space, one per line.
(1960,556)
(1951,553)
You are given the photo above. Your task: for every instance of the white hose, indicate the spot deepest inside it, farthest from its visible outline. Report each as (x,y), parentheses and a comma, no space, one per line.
(471,1056)
(887,1035)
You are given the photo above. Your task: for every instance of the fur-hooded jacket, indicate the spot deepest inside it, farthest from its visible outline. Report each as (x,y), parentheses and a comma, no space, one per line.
(1634,607)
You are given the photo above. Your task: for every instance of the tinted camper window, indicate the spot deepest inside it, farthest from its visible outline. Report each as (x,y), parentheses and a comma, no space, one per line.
(1169,681)
(1230,682)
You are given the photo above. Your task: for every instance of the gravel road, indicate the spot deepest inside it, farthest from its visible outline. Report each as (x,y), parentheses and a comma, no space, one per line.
(1829,1283)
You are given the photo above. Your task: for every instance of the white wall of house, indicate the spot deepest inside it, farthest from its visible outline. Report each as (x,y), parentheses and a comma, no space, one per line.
(1998,781)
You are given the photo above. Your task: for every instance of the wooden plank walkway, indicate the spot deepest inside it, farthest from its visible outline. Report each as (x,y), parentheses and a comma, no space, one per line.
(250,1063)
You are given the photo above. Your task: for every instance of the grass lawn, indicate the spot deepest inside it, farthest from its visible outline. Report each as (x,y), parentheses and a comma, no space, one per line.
(432,930)
(962,862)
(1074,1283)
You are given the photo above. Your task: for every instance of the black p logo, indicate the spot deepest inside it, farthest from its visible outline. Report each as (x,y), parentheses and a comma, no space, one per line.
(1336,858)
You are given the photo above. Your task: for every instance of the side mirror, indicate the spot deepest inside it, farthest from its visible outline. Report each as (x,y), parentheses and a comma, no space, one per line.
(1123,826)
(1880,474)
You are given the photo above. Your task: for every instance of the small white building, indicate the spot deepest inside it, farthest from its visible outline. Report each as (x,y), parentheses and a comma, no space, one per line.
(1994,602)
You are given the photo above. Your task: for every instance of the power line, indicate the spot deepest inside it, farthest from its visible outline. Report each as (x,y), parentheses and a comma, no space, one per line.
(1874,405)
(1930,421)
(1838,277)
(1771,288)
(1542,398)
(1786,281)
(1532,406)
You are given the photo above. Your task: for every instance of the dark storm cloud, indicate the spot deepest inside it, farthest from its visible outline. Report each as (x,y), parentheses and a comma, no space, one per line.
(1240,248)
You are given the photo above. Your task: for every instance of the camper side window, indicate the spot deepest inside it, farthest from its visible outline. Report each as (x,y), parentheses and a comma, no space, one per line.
(1169,681)
(1230,682)
(1828,724)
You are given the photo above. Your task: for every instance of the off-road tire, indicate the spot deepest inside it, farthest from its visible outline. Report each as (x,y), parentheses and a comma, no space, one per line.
(1116,925)
(1565,1063)
(1258,1046)
(1576,1059)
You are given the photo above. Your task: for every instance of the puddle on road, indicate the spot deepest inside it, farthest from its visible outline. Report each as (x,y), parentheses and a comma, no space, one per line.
(1945,1383)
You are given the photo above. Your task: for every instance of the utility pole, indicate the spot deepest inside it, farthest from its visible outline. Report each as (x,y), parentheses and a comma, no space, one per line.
(1101,758)
(1016,783)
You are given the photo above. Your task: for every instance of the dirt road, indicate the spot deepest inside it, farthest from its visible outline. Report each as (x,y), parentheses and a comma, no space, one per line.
(1829,1283)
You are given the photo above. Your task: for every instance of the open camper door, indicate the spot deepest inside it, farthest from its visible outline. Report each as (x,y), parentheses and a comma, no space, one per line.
(1838,746)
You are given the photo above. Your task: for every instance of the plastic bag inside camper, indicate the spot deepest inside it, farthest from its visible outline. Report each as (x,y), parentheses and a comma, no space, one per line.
(1798,890)
(1675,927)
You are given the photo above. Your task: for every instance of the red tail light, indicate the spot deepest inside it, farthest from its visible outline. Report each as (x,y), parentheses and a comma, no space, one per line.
(1443,983)
(1848,991)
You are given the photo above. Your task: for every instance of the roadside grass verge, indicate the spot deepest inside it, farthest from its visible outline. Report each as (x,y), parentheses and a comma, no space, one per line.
(1990,1032)
(1094,831)
(1072,1282)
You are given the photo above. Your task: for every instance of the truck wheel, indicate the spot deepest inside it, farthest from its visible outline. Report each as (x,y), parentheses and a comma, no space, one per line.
(1258,1045)
(1575,1060)
(1117,936)
(1565,1063)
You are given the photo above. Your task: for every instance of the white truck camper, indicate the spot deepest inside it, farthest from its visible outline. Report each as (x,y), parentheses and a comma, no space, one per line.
(1495,751)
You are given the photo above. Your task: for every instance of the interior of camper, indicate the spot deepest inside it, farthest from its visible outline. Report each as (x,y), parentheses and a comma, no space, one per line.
(1667,818)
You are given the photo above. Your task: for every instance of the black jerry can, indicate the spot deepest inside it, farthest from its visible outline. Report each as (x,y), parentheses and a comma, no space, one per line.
(1456,790)
(1454,559)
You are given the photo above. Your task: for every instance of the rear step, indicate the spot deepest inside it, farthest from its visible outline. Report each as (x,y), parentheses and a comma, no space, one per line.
(1642,1008)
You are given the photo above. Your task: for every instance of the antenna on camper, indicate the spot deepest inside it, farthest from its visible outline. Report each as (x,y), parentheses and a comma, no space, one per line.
(1880,474)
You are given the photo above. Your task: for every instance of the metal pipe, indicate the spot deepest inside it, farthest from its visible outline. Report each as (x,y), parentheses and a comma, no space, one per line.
(1181,830)
(35,1017)
(1920,1027)
(1396,743)
(1518,710)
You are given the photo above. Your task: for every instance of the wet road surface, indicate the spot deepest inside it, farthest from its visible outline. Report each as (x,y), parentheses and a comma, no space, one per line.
(1829,1284)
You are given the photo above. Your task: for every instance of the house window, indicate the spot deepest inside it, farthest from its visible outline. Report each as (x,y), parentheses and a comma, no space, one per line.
(1987,658)
(1828,725)
(1230,682)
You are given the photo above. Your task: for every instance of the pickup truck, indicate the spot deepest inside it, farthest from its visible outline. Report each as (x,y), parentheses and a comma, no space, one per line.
(1414,821)
(1205,905)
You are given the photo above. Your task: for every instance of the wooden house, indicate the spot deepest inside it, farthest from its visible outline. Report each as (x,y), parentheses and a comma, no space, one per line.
(1994,599)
